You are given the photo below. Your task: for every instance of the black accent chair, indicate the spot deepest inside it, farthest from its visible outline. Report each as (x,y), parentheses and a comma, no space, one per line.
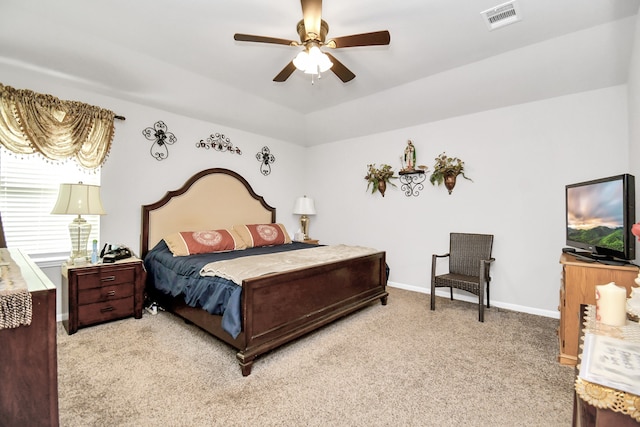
(469,261)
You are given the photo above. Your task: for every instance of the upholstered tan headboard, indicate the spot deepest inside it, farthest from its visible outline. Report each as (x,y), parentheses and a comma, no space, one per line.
(209,200)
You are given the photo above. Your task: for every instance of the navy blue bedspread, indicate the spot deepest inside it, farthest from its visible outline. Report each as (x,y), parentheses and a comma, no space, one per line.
(180,276)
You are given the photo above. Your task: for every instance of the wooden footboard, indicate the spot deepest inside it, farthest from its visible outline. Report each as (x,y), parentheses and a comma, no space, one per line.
(278,308)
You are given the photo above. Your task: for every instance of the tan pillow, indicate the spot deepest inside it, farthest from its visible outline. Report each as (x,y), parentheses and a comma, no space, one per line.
(204,242)
(256,235)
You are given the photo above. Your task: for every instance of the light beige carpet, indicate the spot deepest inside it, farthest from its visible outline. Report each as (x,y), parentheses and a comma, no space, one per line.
(394,365)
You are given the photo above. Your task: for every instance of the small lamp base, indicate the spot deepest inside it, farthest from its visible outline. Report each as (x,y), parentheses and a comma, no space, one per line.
(79,231)
(304,225)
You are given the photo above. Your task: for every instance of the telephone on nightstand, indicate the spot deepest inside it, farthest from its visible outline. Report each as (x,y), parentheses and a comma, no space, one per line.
(112,253)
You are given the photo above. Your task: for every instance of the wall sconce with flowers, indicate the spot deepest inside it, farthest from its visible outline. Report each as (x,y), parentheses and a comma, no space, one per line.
(377,178)
(446,169)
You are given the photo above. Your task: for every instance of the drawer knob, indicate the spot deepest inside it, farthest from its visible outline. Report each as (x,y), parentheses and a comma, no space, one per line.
(106,309)
(111,293)
(109,279)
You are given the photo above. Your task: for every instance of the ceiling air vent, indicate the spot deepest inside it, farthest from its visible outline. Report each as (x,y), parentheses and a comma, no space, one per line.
(504,14)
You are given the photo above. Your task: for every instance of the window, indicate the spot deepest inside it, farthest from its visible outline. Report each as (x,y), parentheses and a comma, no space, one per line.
(28,191)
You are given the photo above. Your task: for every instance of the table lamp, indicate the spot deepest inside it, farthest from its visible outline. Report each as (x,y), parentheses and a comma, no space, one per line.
(304,206)
(79,199)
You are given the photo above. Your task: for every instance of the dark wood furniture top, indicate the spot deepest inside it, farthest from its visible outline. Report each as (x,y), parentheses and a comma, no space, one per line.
(28,357)
(276,308)
(97,293)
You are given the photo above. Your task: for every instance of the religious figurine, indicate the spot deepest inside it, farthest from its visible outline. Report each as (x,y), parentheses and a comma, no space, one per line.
(409,157)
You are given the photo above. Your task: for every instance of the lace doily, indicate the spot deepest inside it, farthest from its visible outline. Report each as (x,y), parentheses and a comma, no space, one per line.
(598,395)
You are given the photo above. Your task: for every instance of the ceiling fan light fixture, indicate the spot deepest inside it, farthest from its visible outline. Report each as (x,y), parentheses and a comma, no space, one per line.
(325,63)
(313,31)
(313,61)
(301,61)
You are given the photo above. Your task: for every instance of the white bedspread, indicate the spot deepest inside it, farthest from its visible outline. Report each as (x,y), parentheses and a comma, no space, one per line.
(242,268)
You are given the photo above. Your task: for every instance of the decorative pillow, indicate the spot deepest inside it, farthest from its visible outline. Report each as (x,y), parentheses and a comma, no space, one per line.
(256,235)
(203,242)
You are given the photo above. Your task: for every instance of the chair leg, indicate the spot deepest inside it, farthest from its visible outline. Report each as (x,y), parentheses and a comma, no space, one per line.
(433,295)
(481,303)
(488,294)
(451,290)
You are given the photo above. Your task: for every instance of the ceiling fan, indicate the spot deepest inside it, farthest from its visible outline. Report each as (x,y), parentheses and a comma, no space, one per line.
(313,30)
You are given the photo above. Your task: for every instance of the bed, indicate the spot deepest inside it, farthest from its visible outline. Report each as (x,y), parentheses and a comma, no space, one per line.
(271,309)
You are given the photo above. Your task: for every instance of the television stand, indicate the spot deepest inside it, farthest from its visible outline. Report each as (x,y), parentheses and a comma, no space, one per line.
(579,280)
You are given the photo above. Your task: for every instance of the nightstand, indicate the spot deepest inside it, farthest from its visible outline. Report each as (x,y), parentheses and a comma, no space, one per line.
(97,293)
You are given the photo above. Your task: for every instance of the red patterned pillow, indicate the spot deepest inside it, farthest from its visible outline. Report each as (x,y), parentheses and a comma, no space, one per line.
(255,235)
(203,242)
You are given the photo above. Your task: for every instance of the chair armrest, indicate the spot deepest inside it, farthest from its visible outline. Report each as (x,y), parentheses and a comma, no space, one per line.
(441,256)
(484,268)
(434,258)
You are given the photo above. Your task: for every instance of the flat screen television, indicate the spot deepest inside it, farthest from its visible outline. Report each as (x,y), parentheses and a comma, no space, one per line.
(600,214)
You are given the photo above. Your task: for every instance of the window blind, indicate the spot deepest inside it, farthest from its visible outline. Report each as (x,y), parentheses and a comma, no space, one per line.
(28,191)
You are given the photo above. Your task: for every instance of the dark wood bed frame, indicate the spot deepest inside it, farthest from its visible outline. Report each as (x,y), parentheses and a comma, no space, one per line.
(276,308)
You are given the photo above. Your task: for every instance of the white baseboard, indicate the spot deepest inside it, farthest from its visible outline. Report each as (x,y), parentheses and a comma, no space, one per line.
(469,298)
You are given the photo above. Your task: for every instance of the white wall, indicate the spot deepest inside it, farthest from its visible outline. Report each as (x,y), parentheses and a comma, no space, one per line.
(520,158)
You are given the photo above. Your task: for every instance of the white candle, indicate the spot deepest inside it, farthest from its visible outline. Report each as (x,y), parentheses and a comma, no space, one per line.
(611,301)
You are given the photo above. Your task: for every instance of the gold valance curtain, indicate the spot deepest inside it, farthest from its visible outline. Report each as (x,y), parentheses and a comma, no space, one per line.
(35,123)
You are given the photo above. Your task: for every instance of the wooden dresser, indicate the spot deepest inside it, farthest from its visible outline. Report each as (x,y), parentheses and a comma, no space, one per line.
(579,280)
(93,294)
(28,356)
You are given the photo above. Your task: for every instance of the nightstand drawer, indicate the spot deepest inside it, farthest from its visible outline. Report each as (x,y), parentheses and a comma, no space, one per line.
(106,277)
(104,311)
(105,293)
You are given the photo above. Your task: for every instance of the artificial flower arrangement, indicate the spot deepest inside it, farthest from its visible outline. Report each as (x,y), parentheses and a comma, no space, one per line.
(379,177)
(446,169)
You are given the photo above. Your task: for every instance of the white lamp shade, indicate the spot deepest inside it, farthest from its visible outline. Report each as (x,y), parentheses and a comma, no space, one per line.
(78,199)
(301,61)
(304,206)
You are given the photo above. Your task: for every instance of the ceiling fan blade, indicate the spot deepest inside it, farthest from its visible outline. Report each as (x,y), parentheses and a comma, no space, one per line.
(312,15)
(262,39)
(340,70)
(285,73)
(364,39)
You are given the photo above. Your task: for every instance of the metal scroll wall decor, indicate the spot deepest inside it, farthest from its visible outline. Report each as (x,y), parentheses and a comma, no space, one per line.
(161,138)
(218,142)
(266,158)
(412,182)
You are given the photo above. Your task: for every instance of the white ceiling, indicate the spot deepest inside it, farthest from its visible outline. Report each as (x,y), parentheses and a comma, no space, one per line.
(180,56)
